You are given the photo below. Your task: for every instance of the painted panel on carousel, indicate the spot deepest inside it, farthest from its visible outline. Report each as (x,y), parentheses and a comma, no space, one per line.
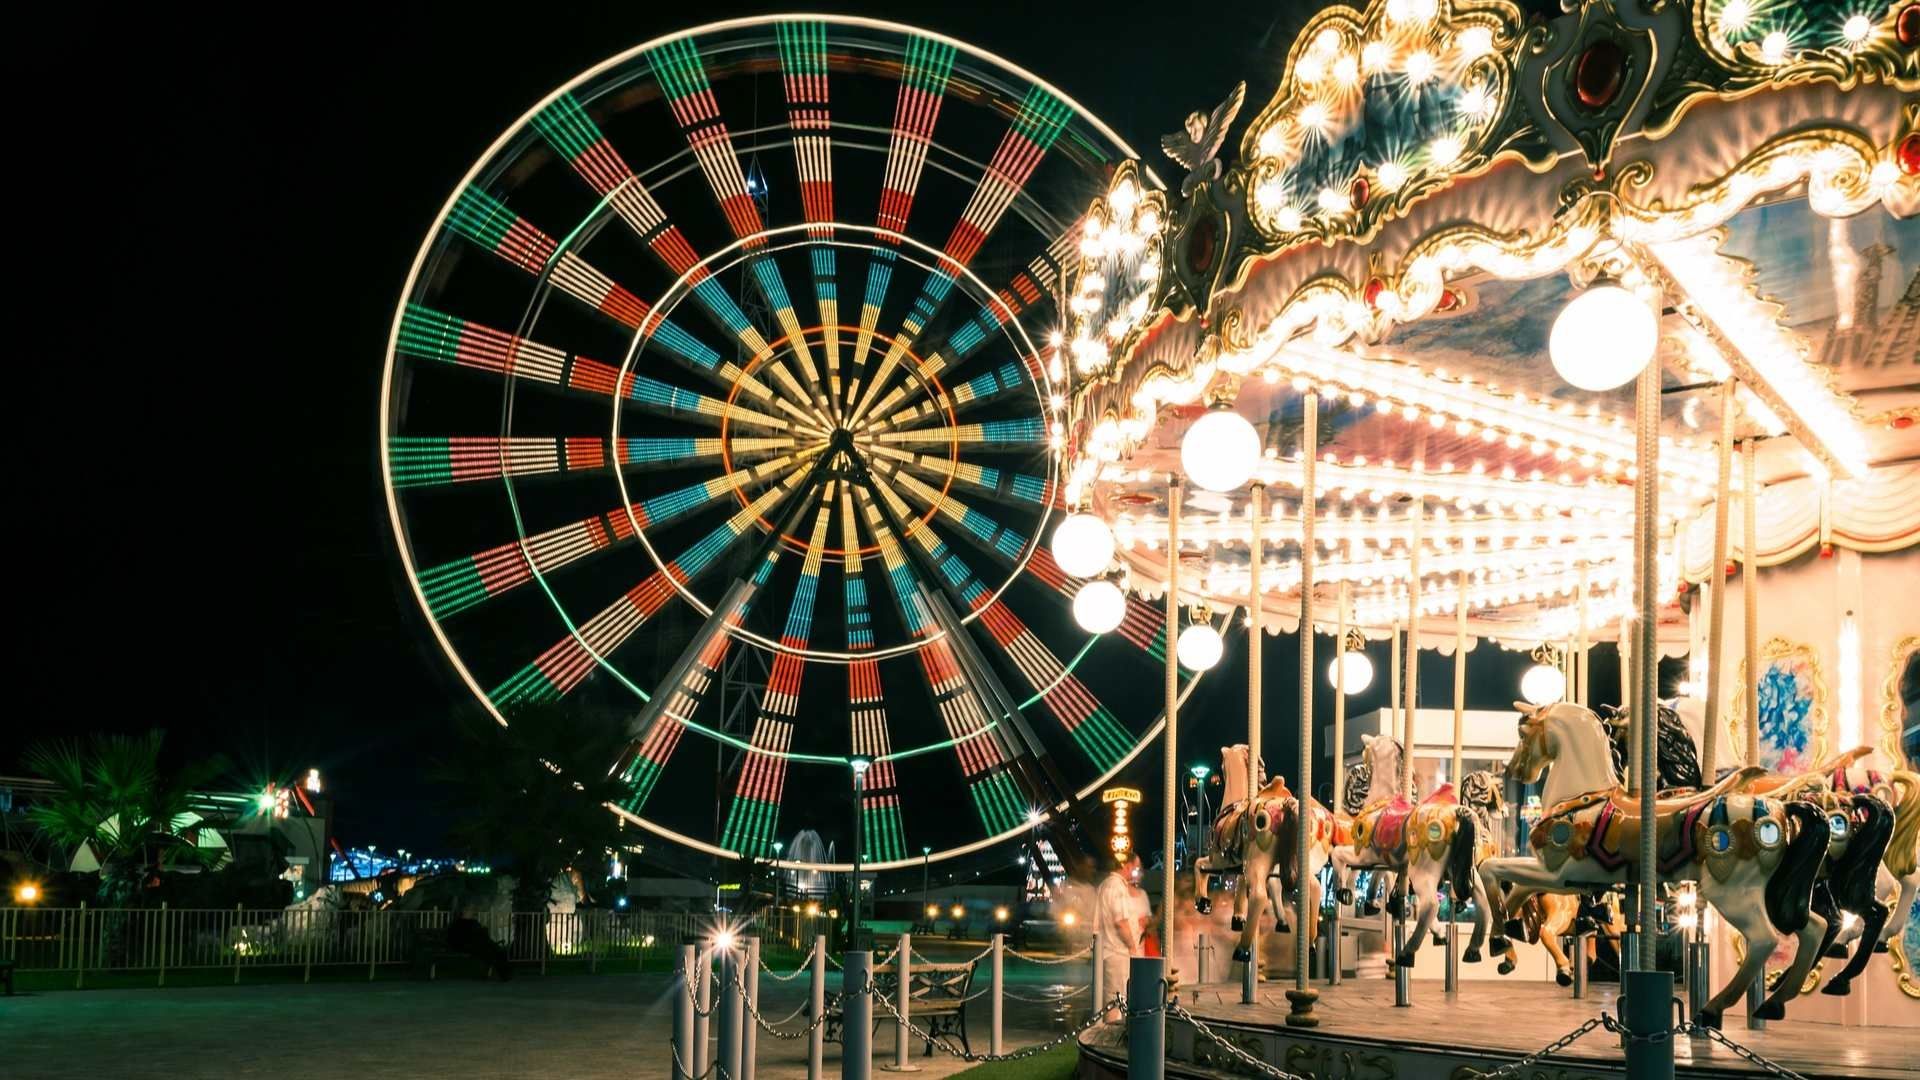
(1793,707)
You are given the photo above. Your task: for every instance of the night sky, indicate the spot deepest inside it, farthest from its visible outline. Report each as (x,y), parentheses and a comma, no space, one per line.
(221,208)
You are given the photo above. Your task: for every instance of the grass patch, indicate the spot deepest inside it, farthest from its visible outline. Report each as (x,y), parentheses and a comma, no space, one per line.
(1056,1064)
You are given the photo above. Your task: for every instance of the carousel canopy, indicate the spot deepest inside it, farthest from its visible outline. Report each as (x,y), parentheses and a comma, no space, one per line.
(1467,235)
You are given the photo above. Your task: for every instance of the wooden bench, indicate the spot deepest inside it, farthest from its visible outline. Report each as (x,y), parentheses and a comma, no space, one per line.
(937,994)
(430,948)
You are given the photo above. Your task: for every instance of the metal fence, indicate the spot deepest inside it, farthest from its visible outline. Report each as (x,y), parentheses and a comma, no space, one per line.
(86,940)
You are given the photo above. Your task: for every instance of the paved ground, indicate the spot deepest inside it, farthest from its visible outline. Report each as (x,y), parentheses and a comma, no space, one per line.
(559,1026)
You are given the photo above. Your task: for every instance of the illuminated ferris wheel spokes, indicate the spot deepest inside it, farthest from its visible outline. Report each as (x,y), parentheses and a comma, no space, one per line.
(847,496)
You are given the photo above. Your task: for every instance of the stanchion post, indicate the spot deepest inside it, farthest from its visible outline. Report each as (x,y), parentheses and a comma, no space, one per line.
(817,1038)
(1339,765)
(996,1040)
(1202,967)
(732,1006)
(856,1016)
(902,1002)
(1580,941)
(703,1009)
(1146,1020)
(1646,1003)
(750,1045)
(1300,999)
(682,991)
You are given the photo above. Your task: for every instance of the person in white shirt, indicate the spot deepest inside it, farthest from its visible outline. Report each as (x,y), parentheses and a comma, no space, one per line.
(1122,920)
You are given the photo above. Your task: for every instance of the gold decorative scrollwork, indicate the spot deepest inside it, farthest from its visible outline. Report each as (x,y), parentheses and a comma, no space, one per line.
(1338,35)
(1892,708)
(1328,1063)
(1706,67)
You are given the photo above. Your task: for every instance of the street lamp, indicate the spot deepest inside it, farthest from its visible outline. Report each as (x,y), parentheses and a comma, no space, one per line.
(926,860)
(860,763)
(778,847)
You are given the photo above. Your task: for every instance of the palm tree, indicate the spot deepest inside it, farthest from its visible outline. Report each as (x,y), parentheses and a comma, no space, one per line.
(113,796)
(531,796)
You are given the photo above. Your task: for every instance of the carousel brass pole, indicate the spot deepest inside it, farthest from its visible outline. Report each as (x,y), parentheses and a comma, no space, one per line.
(1580,645)
(1410,722)
(1302,996)
(1646,671)
(1168,794)
(1717,599)
(1645,991)
(1250,977)
(1339,764)
(1749,591)
(1454,897)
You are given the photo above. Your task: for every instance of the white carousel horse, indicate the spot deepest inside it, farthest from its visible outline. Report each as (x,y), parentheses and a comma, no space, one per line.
(1256,837)
(1755,858)
(1437,839)
(1862,816)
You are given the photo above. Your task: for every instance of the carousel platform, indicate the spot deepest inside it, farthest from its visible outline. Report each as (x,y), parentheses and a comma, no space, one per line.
(1362,1035)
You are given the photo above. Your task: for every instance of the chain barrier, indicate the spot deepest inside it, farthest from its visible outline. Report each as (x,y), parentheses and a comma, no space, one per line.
(806,965)
(771,1028)
(693,1000)
(680,1067)
(1554,1047)
(1045,960)
(1017,1055)
(1278,1073)
(1615,1026)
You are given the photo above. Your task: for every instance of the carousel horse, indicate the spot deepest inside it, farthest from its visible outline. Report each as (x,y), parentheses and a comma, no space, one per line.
(1861,823)
(1861,827)
(1899,872)
(1678,759)
(1353,799)
(1257,836)
(1755,858)
(1430,841)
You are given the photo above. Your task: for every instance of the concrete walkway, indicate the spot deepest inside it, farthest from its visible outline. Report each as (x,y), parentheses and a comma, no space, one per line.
(560,1026)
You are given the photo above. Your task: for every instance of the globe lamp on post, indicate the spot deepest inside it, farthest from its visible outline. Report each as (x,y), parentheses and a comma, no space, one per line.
(1351,673)
(1603,338)
(1082,545)
(1219,452)
(860,763)
(1099,606)
(1543,684)
(1199,647)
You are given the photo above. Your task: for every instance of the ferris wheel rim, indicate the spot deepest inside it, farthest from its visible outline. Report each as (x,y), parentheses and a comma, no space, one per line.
(432,248)
(956,851)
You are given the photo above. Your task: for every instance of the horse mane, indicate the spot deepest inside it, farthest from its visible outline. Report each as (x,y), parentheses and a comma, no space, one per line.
(1678,759)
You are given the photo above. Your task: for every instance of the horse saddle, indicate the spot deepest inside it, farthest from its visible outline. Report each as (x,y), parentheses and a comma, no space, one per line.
(1389,832)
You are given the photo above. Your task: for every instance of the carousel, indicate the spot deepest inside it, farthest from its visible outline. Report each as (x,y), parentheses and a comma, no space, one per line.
(1598,334)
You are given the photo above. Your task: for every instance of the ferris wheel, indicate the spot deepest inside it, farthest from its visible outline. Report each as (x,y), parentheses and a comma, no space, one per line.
(644,460)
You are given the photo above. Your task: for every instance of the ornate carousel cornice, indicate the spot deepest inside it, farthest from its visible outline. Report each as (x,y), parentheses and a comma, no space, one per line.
(1201,325)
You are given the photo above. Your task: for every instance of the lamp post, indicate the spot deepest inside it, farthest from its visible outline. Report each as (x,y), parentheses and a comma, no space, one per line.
(926,860)
(1199,773)
(778,847)
(860,763)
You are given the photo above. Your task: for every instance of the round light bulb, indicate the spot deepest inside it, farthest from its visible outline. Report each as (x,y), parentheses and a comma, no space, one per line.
(1355,672)
(1543,684)
(1099,606)
(1603,338)
(1220,450)
(1082,545)
(1199,647)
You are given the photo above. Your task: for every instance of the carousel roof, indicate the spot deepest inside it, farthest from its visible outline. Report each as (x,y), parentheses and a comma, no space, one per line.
(1429,187)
